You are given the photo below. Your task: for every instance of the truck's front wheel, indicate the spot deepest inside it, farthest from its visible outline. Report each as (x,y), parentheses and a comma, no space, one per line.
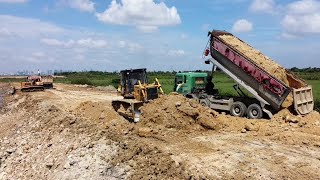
(254,112)
(238,109)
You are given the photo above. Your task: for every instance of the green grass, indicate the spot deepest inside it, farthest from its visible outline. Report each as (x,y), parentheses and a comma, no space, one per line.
(316,92)
(8,80)
(222,82)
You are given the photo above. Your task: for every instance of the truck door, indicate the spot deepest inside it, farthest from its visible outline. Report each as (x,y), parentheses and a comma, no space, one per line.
(178,83)
(185,86)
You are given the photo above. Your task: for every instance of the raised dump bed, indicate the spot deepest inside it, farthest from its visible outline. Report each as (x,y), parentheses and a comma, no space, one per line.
(270,83)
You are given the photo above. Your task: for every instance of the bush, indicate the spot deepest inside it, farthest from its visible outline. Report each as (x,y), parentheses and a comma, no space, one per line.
(81,81)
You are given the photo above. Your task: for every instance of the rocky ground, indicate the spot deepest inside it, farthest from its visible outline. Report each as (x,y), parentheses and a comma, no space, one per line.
(72,132)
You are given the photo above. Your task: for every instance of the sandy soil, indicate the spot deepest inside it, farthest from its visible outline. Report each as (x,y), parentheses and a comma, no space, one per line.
(74,133)
(268,65)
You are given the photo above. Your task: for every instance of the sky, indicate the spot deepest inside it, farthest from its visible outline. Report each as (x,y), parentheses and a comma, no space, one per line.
(111,35)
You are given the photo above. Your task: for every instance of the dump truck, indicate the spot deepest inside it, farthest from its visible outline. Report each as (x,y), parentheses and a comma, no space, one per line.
(135,90)
(271,89)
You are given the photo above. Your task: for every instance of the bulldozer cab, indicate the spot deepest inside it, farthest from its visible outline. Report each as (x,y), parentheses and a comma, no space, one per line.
(130,78)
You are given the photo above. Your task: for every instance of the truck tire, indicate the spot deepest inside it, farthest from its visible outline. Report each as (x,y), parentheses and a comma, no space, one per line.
(254,112)
(204,102)
(238,109)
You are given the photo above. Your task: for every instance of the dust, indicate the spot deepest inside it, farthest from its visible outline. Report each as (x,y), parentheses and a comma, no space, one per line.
(267,64)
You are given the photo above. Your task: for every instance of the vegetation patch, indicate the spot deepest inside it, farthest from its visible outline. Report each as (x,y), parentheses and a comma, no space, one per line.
(82,81)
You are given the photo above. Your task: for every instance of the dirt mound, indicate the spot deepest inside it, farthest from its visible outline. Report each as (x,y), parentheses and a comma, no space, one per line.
(268,65)
(178,112)
(40,140)
(5,89)
(182,114)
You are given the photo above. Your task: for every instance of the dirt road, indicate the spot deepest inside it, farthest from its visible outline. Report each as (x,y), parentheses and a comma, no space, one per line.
(73,133)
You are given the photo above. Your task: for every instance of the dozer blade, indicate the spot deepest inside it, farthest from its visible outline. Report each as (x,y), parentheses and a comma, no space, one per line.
(32,89)
(128,108)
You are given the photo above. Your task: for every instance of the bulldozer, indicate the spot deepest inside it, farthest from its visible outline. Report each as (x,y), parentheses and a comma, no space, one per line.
(47,81)
(33,83)
(135,90)
(37,83)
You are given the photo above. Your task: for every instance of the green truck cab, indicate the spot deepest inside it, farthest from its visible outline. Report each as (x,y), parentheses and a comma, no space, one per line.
(188,82)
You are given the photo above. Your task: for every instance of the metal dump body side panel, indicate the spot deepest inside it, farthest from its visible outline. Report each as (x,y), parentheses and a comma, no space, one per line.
(268,87)
(303,100)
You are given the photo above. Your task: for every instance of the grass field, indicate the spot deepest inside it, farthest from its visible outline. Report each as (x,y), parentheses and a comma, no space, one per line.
(221,81)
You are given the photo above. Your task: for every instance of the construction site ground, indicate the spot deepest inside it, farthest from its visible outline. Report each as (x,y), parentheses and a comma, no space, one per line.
(72,132)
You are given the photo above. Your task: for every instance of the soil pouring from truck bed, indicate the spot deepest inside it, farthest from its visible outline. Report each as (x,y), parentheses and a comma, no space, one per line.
(267,64)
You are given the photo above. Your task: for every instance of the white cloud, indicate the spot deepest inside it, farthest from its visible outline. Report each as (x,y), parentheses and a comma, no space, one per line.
(82,5)
(87,43)
(52,42)
(26,27)
(302,18)
(39,54)
(147,29)
(131,47)
(176,53)
(242,25)
(184,36)
(263,6)
(146,15)
(90,43)
(13,1)
(288,36)
(5,32)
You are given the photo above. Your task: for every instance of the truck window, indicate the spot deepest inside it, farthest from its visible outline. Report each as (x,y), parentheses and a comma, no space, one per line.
(185,79)
(179,80)
(199,80)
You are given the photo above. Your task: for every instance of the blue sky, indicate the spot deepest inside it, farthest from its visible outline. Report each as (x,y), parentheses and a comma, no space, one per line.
(158,34)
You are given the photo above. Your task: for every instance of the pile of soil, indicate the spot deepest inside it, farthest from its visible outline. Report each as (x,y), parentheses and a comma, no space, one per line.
(5,89)
(185,115)
(176,111)
(267,64)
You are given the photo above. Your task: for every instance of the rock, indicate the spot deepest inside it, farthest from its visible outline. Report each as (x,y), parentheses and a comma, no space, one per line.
(291,119)
(90,145)
(144,132)
(66,165)
(243,131)
(102,116)
(72,162)
(251,127)
(72,121)
(49,164)
(178,104)
(11,150)
(317,145)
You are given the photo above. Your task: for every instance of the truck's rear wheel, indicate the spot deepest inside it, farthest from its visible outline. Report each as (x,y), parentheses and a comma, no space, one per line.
(238,109)
(254,112)
(204,103)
